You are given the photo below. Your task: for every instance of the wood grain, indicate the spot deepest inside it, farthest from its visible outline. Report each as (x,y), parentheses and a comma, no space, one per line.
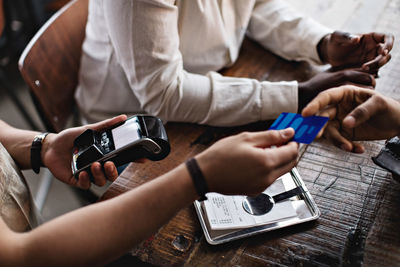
(2,19)
(50,63)
(360,218)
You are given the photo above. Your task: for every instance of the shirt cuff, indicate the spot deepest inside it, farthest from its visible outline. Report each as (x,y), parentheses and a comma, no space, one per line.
(314,34)
(278,97)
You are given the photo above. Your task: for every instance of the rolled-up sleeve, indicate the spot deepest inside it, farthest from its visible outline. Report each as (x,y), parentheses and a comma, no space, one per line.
(284,31)
(144,34)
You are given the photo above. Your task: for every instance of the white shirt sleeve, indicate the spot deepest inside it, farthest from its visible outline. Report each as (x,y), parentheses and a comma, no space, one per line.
(145,37)
(284,31)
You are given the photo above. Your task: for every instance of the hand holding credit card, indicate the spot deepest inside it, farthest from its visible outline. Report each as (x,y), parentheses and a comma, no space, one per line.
(306,128)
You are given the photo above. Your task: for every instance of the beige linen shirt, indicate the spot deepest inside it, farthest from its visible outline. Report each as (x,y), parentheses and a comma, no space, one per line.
(16,205)
(161,57)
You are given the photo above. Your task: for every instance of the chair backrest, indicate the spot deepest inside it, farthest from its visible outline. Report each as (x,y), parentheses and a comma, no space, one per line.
(1,17)
(50,63)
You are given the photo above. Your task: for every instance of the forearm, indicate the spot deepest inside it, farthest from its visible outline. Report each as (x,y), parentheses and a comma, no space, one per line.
(104,231)
(283,30)
(217,100)
(154,67)
(18,143)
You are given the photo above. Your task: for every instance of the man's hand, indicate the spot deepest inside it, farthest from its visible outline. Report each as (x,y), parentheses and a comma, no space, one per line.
(325,80)
(57,156)
(356,114)
(369,51)
(249,162)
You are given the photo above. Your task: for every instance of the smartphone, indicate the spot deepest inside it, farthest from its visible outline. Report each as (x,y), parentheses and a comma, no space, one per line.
(140,136)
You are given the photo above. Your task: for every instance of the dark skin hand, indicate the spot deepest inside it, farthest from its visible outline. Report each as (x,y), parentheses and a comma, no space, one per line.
(368,51)
(364,54)
(356,114)
(325,80)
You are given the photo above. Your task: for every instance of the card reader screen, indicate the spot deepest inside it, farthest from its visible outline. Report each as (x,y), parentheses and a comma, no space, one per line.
(126,133)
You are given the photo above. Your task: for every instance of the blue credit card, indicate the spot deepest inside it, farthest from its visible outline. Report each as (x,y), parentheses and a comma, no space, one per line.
(306,128)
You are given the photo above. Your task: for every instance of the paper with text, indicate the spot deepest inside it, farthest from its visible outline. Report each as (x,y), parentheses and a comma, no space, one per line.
(226,212)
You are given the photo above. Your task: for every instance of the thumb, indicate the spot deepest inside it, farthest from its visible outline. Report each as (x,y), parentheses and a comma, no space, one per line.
(272,137)
(361,114)
(358,77)
(107,123)
(344,38)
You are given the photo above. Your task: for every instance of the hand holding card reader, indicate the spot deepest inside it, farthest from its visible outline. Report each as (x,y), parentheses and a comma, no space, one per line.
(138,137)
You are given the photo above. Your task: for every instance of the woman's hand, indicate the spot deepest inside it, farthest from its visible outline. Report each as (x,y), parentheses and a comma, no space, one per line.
(249,162)
(57,156)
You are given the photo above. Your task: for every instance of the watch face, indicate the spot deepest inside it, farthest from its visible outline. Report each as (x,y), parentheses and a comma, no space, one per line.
(36,160)
(40,137)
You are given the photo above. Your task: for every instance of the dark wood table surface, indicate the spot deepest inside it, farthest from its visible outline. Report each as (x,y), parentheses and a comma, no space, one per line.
(359,202)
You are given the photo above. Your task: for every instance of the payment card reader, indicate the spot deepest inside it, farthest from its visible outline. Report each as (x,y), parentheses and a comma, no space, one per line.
(138,137)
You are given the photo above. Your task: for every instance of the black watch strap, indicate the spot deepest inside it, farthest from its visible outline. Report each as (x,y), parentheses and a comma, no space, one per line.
(198,179)
(36,149)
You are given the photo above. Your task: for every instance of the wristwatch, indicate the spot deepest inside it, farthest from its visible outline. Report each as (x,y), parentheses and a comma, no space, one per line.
(36,149)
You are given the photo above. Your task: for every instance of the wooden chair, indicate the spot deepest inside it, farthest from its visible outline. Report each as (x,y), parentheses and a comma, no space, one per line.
(50,64)
(55,5)
(1,17)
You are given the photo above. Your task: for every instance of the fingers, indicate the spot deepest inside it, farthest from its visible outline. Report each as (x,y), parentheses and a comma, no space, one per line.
(281,156)
(330,112)
(362,113)
(386,39)
(385,45)
(277,161)
(110,171)
(107,123)
(332,134)
(388,43)
(99,177)
(83,180)
(281,170)
(322,100)
(373,65)
(269,138)
(358,148)
(358,77)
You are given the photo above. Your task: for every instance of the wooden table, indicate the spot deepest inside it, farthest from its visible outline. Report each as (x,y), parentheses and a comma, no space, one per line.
(359,202)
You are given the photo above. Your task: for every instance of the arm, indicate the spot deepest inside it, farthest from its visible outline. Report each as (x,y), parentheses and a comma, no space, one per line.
(18,143)
(356,114)
(104,231)
(147,47)
(286,32)
(56,153)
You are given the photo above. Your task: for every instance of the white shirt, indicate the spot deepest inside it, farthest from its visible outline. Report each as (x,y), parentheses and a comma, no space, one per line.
(161,57)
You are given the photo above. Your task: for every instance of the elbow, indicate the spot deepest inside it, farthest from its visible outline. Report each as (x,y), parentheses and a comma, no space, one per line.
(162,98)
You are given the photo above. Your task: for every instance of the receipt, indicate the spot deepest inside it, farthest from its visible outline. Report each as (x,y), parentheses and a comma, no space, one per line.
(226,212)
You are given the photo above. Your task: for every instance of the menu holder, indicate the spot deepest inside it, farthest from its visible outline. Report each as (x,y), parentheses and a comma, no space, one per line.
(223,218)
